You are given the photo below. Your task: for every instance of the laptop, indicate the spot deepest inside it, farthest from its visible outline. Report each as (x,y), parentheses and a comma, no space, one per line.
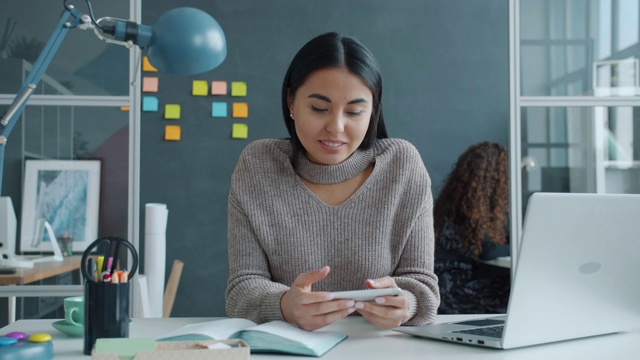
(577,275)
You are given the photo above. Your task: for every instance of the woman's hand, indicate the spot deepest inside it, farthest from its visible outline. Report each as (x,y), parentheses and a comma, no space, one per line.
(312,310)
(386,311)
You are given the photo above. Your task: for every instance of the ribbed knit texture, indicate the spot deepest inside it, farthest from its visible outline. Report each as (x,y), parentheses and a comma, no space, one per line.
(278,228)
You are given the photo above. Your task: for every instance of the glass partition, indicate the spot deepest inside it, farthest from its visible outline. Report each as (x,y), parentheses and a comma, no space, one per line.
(580,149)
(567,48)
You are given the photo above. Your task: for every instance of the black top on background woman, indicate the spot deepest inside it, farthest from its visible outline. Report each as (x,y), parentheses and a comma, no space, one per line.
(471,225)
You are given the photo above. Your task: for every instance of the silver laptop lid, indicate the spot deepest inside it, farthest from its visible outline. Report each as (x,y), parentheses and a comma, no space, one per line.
(578,273)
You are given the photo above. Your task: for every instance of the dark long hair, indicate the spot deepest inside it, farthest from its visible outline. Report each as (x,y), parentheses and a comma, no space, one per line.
(334,50)
(475,197)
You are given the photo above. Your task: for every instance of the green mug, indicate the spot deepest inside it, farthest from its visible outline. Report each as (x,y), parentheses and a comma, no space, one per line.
(74,310)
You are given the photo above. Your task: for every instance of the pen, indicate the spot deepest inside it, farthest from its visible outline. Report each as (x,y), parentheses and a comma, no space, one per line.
(106,277)
(125,276)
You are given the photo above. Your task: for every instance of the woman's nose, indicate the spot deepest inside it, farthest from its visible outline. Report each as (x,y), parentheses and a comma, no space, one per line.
(336,123)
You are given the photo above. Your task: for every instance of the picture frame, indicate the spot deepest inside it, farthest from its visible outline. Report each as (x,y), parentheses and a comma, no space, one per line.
(66,194)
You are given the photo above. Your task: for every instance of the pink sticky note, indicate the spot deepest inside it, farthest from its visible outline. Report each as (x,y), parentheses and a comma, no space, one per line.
(218,88)
(149,84)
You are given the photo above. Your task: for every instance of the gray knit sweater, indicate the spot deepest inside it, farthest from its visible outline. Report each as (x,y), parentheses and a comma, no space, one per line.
(278,228)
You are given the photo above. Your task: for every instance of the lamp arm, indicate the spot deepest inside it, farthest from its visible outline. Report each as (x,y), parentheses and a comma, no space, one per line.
(10,118)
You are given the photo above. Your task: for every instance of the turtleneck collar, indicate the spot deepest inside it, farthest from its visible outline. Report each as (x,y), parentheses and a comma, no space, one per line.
(334,174)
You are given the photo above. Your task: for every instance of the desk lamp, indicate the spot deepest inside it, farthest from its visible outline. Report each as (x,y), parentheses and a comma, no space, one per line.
(183,41)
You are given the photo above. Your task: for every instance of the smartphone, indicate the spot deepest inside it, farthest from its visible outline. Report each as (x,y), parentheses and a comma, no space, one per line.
(366,295)
(7,271)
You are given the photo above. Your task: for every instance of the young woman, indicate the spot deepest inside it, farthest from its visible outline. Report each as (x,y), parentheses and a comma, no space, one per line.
(338,206)
(471,225)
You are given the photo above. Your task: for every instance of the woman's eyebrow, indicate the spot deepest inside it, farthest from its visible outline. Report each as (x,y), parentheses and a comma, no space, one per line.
(324,98)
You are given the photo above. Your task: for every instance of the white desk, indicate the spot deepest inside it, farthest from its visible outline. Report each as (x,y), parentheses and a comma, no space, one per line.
(367,342)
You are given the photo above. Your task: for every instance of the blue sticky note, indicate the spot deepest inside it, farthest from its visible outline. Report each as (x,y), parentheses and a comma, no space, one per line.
(218,109)
(149,103)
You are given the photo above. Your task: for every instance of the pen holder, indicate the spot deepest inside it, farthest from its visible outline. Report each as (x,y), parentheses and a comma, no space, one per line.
(106,312)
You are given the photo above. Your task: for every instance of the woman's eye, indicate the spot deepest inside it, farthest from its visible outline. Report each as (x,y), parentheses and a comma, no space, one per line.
(317,109)
(354,113)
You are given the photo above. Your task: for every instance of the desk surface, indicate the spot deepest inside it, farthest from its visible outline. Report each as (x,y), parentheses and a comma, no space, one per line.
(368,342)
(41,271)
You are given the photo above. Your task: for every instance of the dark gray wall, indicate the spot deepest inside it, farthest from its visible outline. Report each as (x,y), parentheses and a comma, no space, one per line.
(445,66)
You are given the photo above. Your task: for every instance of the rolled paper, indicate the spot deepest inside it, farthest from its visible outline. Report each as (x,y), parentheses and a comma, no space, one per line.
(155,255)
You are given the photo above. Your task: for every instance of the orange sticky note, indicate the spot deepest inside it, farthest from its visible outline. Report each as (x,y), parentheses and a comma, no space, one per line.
(172,111)
(240,110)
(150,84)
(238,88)
(146,65)
(125,108)
(172,133)
(200,88)
(218,88)
(240,131)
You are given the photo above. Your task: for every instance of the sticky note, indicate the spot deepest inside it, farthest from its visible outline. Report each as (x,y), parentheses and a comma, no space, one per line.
(146,65)
(172,111)
(200,88)
(125,108)
(240,131)
(149,103)
(149,84)
(240,110)
(238,88)
(218,88)
(218,109)
(172,132)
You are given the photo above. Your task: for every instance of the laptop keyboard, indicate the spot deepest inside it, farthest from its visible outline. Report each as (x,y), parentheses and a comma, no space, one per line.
(491,331)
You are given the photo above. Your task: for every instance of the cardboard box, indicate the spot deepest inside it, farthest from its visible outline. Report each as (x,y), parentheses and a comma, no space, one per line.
(149,349)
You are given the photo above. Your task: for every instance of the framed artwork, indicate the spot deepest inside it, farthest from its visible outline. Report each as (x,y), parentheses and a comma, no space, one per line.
(65,194)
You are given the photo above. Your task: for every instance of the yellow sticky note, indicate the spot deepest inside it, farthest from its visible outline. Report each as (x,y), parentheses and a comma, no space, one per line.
(218,88)
(240,131)
(238,88)
(149,84)
(146,65)
(172,133)
(240,110)
(200,88)
(125,108)
(172,111)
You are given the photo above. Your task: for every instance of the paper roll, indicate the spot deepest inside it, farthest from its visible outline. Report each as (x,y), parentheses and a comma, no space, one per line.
(155,255)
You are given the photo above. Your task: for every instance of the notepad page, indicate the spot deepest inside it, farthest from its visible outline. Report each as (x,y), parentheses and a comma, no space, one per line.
(216,329)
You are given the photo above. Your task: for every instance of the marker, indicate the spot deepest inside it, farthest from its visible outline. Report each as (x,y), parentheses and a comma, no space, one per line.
(100,262)
(125,276)
(109,263)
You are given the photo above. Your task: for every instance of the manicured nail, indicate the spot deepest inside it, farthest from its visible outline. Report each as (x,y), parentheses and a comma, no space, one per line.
(350,303)
(379,300)
(329,296)
(359,305)
(372,282)
(351,309)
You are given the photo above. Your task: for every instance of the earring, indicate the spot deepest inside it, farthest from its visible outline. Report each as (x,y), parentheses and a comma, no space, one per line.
(291,115)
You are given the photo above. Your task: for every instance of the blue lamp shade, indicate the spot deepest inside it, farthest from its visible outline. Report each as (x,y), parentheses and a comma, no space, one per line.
(184,41)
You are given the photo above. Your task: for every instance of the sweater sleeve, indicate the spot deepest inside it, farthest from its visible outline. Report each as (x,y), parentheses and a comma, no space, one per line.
(415,272)
(250,291)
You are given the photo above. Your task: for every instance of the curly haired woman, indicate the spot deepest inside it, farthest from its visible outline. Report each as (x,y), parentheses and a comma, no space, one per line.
(471,226)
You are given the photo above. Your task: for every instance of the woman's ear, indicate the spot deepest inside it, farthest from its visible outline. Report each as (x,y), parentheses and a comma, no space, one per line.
(290,103)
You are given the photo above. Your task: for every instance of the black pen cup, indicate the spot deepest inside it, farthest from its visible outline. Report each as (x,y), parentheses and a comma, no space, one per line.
(106,312)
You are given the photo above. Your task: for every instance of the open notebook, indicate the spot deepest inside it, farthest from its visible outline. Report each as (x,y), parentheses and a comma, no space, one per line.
(577,275)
